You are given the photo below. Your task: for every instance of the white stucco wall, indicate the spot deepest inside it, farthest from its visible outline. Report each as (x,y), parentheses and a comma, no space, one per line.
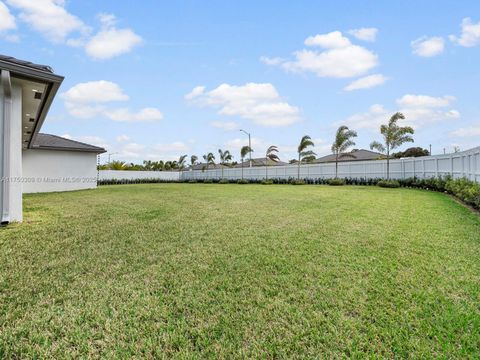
(52,170)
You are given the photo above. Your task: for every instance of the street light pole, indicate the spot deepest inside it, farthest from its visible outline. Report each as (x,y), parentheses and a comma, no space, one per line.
(110,154)
(250,146)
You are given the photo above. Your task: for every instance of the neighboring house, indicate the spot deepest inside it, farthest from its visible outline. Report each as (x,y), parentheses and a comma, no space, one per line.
(203,166)
(260,162)
(358,155)
(30,161)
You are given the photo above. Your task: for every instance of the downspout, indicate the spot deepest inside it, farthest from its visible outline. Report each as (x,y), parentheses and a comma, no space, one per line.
(7,112)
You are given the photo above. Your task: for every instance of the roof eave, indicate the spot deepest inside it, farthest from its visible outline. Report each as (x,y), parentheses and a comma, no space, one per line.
(53,84)
(58,148)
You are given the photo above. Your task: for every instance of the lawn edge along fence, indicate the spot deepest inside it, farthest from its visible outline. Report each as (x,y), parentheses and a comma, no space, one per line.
(463,189)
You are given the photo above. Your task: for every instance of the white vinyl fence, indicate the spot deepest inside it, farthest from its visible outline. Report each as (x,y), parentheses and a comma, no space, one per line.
(462,164)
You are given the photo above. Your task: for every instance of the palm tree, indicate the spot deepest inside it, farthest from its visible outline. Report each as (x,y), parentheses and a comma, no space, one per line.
(209,159)
(305,155)
(393,137)
(270,155)
(244,151)
(158,165)
(181,162)
(343,140)
(225,157)
(193,160)
(148,164)
(117,165)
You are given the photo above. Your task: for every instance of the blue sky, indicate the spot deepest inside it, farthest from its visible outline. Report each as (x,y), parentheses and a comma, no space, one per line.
(154,80)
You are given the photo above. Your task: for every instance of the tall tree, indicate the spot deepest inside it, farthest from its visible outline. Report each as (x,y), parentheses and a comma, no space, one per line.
(244,151)
(305,155)
(181,162)
(393,137)
(343,140)
(193,160)
(271,154)
(225,158)
(148,165)
(209,159)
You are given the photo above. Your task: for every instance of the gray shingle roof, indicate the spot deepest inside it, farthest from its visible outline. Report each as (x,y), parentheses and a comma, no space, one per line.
(54,142)
(359,156)
(29,64)
(260,162)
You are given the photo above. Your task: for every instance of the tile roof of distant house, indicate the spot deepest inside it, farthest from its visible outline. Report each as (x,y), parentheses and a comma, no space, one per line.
(360,155)
(260,162)
(54,142)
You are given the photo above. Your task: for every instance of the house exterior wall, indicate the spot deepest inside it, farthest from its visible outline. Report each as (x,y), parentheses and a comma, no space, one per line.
(54,170)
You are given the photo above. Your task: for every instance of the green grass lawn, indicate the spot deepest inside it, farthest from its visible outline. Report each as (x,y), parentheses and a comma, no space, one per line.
(234,271)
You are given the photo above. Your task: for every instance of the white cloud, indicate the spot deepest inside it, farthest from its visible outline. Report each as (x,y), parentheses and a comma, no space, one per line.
(259,103)
(123,138)
(237,143)
(419,111)
(472,131)
(143,115)
(428,47)
(343,62)
(332,40)
(366,82)
(341,59)
(110,41)
(7,20)
(365,34)
(90,99)
(132,151)
(50,18)
(54,22)
(470,34)
(271,61)
(416,101)
(95,92)
(196,92)
(225,125)
(371,120)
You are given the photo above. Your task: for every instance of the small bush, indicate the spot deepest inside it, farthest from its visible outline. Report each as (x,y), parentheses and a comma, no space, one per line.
(224,181)
(297,182)
(243,181)
(267,182)
(208,181)
(388,184)
(192,181)
(336,182)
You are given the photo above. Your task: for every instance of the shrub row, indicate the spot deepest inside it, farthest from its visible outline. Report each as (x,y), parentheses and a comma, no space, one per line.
(465,190)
